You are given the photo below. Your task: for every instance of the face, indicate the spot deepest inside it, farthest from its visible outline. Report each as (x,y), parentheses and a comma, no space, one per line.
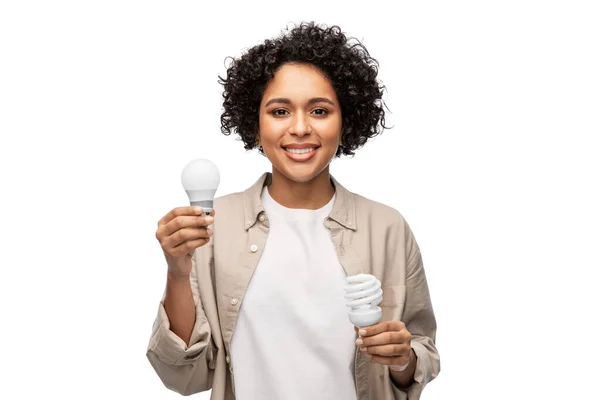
(300,122)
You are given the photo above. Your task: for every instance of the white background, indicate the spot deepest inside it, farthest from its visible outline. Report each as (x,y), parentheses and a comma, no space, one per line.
(493,160)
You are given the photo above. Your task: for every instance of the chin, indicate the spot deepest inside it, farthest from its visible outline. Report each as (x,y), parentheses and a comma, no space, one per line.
(300,178)
(301,175)
(300,172)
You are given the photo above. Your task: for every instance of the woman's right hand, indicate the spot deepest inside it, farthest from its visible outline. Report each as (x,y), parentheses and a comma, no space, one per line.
(180,233)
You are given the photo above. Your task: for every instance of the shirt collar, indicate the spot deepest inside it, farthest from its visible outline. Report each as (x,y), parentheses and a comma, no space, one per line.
(343,211)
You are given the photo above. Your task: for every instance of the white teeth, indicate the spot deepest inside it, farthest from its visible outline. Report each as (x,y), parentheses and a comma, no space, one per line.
(299,151)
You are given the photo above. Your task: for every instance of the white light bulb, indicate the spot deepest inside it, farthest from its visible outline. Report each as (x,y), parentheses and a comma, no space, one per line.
(363,295)
(200,179)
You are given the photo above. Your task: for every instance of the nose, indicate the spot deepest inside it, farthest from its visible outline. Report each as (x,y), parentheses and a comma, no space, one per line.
(300,125)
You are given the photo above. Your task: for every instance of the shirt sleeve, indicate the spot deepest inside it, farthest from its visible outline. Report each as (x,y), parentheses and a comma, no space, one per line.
(419,318)
(185,369)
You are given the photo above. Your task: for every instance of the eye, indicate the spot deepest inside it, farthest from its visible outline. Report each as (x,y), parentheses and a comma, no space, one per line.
(320,111)
(279,112)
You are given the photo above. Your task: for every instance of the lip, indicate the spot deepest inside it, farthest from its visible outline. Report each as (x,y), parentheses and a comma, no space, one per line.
(301,157)
(300,146)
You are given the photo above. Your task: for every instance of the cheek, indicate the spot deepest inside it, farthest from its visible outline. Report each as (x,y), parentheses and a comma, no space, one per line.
(330,129)
(332,137)
(271,129)
(267,136)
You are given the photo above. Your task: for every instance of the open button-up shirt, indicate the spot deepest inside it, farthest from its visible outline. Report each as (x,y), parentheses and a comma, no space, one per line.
(369,238)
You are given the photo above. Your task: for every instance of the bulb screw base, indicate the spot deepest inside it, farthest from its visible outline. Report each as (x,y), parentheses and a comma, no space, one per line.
(361,318)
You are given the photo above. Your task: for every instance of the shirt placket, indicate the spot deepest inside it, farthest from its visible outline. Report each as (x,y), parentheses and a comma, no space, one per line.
(342,239)
(256,238)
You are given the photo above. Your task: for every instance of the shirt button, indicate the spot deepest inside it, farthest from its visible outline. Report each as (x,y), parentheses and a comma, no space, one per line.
(227,359)
(253,248)
(261,218)
(234,302)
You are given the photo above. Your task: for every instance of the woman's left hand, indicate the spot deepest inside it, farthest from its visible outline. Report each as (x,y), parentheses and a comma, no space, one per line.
(386,343)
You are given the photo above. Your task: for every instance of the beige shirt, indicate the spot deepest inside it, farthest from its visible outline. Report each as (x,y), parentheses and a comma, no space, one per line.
(369,238)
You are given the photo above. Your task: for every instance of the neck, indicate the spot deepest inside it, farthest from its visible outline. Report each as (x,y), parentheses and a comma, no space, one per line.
(310,195)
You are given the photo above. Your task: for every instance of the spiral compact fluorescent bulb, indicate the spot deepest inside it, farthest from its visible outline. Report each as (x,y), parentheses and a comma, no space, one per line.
(200,179)
(363,295)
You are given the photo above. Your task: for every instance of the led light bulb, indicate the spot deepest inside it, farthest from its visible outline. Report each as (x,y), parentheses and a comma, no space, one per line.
(200,179)
(363,295)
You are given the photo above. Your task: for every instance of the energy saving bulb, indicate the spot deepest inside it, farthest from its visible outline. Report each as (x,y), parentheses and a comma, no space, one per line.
(200,179)
(363,295)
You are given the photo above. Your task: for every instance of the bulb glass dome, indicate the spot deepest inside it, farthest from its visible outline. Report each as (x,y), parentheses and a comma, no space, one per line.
(200,179)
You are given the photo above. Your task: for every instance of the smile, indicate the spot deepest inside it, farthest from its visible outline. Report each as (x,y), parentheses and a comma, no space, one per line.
(301,154)
(300,151)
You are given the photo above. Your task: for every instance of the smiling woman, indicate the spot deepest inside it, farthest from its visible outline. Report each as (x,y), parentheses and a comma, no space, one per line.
(301,132)
(345,63)
(258,311)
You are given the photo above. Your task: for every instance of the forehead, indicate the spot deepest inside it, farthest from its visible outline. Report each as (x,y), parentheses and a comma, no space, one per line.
(299,81)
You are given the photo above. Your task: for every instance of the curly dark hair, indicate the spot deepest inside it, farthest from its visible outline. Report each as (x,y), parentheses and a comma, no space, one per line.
(345,61)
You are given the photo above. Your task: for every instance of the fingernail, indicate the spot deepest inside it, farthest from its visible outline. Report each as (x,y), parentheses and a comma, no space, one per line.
(362,332)
(209,220)
(198,210)
(363,349)
(359,341)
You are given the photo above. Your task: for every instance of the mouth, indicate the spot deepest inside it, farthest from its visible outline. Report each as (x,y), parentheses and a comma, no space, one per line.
(302,154)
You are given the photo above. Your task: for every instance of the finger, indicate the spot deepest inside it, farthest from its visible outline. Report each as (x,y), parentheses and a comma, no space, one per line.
(388,360)
(186,221)
(187,234)
(208,219)
(380,327)
(189,246)
(390,337)
(388,350)
(180,211)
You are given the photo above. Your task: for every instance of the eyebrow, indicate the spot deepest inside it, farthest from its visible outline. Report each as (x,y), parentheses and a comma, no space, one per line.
(311,101)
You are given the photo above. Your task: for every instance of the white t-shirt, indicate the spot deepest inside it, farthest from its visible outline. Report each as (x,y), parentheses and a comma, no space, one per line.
(293,339)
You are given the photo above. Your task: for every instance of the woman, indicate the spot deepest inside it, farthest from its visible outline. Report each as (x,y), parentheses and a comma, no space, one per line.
(258,312)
